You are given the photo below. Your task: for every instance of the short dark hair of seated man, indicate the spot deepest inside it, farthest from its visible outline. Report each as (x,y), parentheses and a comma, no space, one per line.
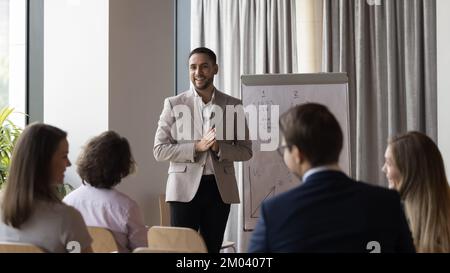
(315,131)
(105,160)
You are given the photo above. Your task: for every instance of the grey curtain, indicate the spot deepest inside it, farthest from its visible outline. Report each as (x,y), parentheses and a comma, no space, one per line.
(389,52)
(249,37)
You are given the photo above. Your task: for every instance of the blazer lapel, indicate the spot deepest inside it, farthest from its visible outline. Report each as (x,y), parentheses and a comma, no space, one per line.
(196,116)
(220,118)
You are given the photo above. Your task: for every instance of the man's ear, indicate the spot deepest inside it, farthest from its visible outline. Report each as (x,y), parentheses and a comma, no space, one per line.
(296,155)
(216,69)
(299,155)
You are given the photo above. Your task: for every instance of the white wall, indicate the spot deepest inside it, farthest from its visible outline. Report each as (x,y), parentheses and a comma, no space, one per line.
(109,64)
(76,71)
(443,54)
(141,76)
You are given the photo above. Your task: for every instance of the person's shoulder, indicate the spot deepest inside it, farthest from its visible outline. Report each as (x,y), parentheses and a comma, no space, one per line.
(68,210)
(83,194)
(73,194)
(57,211)
(228,98)
(123,199)
(378,192)
(180,98)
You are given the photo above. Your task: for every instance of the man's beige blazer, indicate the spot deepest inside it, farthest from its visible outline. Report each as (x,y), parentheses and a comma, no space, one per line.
(186,167)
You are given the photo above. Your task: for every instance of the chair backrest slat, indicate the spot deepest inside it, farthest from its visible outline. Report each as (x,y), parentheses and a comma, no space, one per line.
(7,247)
(103,240)
(175,239)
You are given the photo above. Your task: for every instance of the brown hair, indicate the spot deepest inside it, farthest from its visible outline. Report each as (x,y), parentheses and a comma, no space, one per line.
(424,189)
(315,131)
(29,178)
(106,159)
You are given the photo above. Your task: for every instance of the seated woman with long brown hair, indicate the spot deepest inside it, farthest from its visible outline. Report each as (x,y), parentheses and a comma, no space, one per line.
(31,211)
(414,166)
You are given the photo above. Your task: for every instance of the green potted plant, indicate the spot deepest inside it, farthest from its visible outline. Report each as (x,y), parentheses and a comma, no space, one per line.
(9,133)
(63,190)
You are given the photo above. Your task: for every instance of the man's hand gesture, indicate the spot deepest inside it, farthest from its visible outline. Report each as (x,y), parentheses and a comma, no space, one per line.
(206,142)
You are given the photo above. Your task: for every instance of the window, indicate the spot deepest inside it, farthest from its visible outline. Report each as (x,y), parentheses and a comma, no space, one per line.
(13,33)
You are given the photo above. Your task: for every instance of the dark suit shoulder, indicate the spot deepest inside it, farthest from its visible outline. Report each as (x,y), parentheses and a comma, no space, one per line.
(378,192)
(339,185)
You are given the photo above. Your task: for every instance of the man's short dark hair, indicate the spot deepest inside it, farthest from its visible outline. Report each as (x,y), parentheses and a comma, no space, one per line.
(315,131)
(203,50)
(105,160)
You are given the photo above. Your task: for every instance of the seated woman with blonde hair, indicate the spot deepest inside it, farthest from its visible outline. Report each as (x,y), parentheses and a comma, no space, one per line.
(31,211)
(105,161)
(414,166)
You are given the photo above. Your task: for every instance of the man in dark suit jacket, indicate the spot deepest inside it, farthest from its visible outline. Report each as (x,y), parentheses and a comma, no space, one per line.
(329,212)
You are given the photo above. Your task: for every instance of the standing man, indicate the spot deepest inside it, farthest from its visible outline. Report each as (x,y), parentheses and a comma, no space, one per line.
(201,183)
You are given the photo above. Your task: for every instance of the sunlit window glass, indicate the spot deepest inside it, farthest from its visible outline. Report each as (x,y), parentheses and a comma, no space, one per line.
(13,57)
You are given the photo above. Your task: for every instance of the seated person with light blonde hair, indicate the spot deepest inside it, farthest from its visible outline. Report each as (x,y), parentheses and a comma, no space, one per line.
(415,168)
(105,161)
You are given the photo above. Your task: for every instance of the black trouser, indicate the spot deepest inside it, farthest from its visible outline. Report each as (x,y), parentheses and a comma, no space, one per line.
(206,213)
